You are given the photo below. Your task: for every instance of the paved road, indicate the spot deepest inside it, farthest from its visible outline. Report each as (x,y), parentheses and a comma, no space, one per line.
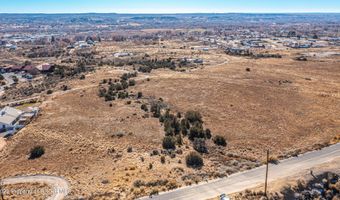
(59,185)
(252,178)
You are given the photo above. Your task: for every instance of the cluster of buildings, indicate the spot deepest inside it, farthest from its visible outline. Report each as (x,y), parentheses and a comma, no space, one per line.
(12,119)
(29,69)
(8,46)
(192,60)
(242,38)
(82,44)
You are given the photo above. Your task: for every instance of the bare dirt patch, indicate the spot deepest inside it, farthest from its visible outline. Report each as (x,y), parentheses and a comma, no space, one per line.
(2,143)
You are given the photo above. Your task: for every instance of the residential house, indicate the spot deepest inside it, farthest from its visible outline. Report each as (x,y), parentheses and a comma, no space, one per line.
(45,68)
(31,70)
(28,115)
(122,54)
(15,68)
(11,46)
(8,118)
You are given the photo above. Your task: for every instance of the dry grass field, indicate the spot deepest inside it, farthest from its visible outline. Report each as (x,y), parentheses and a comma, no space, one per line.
(283,105)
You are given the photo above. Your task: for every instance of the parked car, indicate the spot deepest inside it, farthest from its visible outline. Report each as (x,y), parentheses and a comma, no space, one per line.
(224,197)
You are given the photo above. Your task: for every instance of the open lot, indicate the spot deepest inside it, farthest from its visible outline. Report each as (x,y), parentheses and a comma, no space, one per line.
(282,105)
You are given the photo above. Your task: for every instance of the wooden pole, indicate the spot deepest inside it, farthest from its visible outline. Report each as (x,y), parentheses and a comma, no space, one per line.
(266,181)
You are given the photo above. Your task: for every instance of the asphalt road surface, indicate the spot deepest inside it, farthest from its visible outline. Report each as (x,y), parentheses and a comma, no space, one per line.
(252,178)
(60,186)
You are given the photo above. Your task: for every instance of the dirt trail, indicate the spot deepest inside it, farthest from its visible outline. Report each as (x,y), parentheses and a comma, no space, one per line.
(59,185)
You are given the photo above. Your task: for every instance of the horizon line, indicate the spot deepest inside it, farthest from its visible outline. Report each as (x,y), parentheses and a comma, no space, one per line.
(151,13)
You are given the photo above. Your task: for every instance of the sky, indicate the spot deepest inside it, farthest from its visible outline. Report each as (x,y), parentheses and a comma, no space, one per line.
(168,6)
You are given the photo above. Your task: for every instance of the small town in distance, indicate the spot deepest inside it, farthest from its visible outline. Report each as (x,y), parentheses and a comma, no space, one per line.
(194,105)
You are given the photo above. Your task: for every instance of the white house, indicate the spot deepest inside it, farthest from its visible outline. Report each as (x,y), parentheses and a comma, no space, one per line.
(122,54)
(11,46)
(8,118)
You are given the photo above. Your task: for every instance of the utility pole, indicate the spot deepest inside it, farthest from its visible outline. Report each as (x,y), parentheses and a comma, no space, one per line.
(266,181)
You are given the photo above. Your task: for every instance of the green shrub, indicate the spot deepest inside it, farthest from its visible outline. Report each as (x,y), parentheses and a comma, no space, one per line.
(169,142)
(194,160)
(154,192)
(208,133)
(102,92)
(139,95)
(109,97)
(196,131)
(179,140)
(124,77)
(156,110)
(193,116)
(138,183)
(36,152)
(125,84)
(119,86)
(199,145)
(184,126)
(145,69)
(162,159)
(49,91)
(123,95)
(144,107)
(176,126)
(219,140)
(154,152)
(132,82)
(169,131)
(64,87)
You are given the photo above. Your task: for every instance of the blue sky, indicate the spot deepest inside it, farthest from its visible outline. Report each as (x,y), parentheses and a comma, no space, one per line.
(167,6)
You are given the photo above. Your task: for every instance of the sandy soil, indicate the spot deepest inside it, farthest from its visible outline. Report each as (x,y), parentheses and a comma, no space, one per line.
(2,143)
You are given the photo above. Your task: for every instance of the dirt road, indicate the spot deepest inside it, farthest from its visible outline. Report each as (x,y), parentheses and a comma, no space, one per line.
(59,185)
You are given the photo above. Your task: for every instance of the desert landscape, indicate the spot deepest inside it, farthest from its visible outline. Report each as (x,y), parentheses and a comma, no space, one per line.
(164,113)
